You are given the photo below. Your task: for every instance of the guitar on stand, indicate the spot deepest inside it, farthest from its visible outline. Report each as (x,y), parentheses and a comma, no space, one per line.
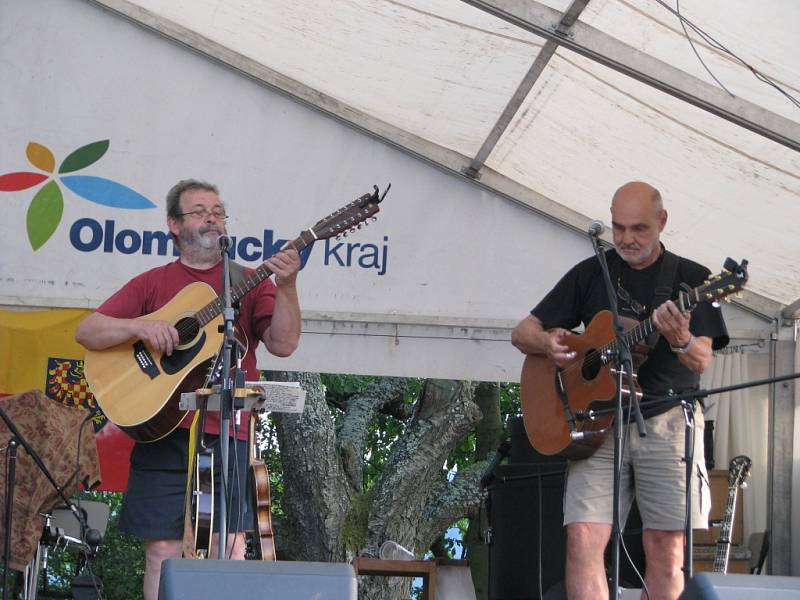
(738,472)
(557,402)
(199,505)
(283,397)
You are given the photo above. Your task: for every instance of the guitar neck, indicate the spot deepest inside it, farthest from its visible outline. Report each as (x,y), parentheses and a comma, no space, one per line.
(635,335)
(724,543)
(214,308)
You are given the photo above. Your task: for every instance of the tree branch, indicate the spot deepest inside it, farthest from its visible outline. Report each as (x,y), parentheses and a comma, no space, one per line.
(445,413)
(450,501)
(359,413)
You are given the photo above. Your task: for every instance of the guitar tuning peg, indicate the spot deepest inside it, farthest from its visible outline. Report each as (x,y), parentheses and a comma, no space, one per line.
(727,300)
(339,237)
(731,287)
(738,294)
(352,230)
(374,219)
(709,296)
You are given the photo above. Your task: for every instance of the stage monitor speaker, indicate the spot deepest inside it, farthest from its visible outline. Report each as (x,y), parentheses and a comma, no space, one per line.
(719,586)
(256,580)
(526,492)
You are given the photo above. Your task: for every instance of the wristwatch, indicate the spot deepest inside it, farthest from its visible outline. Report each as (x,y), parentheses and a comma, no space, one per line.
(683,349)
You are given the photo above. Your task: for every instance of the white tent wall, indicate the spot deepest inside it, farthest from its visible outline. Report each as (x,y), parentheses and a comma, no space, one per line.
(430,290)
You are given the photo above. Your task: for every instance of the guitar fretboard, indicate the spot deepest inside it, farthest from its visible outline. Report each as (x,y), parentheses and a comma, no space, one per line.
(633,336)
(214,308)
(724,544)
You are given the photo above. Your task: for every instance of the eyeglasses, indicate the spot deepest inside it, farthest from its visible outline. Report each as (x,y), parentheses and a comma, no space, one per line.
(201,213)
(625,296)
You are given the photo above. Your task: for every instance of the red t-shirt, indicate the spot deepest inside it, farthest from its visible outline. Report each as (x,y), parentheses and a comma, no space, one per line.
(153,289)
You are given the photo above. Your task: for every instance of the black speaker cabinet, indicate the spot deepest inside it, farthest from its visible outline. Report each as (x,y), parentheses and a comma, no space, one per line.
(526,515)
(718,586)
(255,580)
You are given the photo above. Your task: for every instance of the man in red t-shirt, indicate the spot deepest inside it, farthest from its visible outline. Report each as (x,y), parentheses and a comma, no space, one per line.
(153,505)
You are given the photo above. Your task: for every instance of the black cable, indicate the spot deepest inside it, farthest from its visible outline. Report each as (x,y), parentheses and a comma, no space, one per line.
(694,49)
(540,535)
(719,46)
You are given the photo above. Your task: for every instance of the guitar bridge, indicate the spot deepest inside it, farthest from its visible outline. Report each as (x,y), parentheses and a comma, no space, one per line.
(145,361)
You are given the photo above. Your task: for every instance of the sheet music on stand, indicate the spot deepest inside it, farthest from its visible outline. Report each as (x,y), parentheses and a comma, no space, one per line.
(273,396)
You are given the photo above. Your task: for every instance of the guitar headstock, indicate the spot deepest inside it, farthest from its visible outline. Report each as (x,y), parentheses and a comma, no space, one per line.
(738,471)
(351,216)
(730,280)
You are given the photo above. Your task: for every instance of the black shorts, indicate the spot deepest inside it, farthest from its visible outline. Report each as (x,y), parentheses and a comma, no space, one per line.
(153,504)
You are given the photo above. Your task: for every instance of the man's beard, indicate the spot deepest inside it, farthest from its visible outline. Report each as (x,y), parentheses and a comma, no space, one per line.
(198,246)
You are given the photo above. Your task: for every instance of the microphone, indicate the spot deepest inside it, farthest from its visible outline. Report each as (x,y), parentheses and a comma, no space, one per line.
(596,228)
(502,451)
(224,242)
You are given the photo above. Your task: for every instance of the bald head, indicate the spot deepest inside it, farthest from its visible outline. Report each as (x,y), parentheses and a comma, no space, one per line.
(638,218)
(638,192)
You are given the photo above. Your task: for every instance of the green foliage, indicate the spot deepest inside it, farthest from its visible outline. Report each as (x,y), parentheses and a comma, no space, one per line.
(509,400)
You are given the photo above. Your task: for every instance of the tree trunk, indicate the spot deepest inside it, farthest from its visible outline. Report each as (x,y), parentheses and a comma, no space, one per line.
(489,434)
(329,516)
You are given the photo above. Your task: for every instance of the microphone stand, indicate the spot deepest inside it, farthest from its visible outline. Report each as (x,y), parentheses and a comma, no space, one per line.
(625,367)
(226,392)
(17,439)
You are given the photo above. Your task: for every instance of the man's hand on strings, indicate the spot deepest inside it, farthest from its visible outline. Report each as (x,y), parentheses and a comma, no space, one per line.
(555,348)
(160,335)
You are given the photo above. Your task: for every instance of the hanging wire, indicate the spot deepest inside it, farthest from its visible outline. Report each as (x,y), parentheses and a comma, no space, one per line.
(708,39)
(694,49)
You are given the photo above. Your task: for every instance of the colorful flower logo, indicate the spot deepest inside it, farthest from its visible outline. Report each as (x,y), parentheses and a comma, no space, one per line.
(47,206)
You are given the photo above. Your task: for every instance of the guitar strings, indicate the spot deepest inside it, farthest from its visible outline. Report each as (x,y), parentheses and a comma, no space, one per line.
(592,358)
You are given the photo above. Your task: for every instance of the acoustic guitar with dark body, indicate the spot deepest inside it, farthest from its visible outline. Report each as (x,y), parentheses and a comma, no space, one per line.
(557,400)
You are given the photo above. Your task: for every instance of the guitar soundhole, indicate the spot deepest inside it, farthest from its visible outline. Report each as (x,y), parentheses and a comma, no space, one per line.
(591,365)
(188,329)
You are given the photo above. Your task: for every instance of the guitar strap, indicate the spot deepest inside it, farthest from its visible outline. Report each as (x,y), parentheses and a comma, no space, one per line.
(663,291)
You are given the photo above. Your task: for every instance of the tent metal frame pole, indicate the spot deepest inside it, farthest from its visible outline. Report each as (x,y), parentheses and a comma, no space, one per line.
(614,54)
(545,54)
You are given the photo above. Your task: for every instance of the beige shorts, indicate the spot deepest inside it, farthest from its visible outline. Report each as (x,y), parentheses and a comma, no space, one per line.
(652,469)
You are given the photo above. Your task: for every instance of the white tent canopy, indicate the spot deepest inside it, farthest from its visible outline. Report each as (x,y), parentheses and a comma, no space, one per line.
(434,77)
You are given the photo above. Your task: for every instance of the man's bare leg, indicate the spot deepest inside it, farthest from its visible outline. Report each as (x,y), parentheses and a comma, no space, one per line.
(663,551)
(155,552)
(585,569)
